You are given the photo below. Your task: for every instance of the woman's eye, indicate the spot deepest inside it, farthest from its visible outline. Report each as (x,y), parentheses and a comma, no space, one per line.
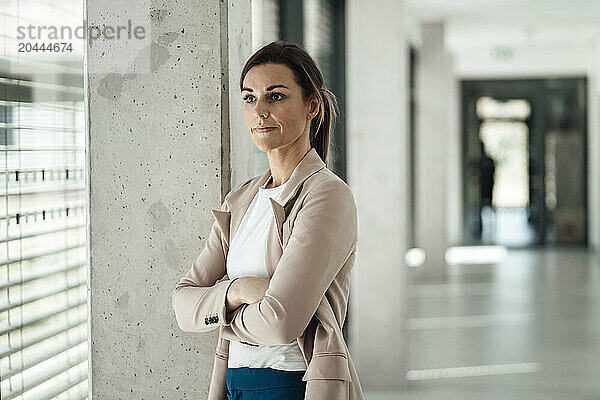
(248,98)
(276,96)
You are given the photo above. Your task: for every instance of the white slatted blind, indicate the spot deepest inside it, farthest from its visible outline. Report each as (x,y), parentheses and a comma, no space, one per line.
(43,257)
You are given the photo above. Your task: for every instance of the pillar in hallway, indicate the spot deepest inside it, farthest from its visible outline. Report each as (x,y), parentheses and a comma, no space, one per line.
(239,40)
(593,144)
(159,159)
(436,144)
(378,174)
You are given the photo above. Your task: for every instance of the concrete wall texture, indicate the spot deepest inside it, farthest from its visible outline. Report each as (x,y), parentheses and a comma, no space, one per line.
(158,162)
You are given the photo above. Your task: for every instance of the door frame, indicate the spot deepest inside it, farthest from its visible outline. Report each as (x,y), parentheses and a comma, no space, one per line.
(534,91)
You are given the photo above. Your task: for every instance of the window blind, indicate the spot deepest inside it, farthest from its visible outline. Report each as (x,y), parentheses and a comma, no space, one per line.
(43,252)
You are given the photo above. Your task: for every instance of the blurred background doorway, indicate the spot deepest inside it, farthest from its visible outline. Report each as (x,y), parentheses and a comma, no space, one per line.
(524,162)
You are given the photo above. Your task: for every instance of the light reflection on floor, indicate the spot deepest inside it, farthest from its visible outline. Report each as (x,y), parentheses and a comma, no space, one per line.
(507,227)
(527,328)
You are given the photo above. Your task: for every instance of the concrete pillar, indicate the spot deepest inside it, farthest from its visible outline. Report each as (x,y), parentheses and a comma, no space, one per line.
(159,159)
(454,202)
(239,40)
(593,144)
(433,141)
(378,174)
(265,30)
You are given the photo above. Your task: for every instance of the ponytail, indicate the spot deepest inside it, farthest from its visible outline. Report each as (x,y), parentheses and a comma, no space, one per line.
(324,123)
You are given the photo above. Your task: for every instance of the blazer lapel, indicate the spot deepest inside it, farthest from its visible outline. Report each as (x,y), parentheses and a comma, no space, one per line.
(222,218)
(240,200)
(279,214)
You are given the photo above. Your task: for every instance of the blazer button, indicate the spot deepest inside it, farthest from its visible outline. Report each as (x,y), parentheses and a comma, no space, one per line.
(206,321)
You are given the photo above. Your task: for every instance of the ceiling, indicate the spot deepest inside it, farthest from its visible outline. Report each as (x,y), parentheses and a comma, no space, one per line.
(508,22)
(557,11)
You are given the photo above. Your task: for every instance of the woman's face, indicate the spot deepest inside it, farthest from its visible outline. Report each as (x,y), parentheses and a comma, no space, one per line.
(275,112)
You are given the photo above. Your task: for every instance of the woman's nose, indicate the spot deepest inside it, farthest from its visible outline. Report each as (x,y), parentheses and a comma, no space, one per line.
(261,110)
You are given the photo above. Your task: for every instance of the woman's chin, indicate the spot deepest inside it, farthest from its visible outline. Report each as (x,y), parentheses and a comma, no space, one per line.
(265,146)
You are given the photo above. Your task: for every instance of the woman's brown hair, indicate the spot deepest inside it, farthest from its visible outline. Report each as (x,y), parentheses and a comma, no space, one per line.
(309,77)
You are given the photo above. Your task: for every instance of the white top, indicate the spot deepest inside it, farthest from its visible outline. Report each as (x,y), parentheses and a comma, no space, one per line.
(246,257)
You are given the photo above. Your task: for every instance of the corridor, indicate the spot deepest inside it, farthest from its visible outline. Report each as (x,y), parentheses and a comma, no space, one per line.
(527,328)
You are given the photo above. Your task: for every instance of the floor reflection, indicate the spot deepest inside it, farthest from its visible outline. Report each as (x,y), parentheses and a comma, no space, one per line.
(526,328)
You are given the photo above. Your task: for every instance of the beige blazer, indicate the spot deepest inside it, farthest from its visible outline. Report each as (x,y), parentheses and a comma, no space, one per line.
(310,252)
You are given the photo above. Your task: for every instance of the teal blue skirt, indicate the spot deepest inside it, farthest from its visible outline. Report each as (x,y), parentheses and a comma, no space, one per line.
(264,384)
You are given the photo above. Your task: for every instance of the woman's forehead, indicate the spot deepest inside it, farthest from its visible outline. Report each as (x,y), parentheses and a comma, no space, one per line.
(266,75)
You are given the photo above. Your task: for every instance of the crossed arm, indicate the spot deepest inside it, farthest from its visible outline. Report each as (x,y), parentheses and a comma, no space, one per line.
(245,290)
(276,310)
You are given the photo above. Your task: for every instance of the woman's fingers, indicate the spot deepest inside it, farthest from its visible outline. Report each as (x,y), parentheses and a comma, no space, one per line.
(224,278)
(256,289)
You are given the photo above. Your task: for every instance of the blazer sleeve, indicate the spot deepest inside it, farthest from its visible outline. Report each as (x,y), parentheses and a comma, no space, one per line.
(324,234)
(198,302)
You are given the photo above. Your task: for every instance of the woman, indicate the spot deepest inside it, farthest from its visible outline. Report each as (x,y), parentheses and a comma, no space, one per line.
(278,290)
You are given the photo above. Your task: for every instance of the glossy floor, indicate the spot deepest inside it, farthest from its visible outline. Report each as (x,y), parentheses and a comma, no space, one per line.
(526,328)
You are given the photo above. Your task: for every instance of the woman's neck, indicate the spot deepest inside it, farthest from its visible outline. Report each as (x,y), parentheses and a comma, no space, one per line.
(282,163)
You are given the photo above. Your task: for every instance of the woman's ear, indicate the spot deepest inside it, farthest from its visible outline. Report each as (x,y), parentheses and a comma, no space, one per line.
(313,107)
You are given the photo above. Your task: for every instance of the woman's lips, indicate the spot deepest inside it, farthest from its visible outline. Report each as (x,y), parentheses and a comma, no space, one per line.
(264,129)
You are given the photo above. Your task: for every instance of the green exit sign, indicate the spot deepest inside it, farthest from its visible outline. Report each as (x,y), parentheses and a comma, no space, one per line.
(502,53)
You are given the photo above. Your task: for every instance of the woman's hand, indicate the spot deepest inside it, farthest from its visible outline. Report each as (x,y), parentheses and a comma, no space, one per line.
(246,289)
(232,301)
(252,288)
